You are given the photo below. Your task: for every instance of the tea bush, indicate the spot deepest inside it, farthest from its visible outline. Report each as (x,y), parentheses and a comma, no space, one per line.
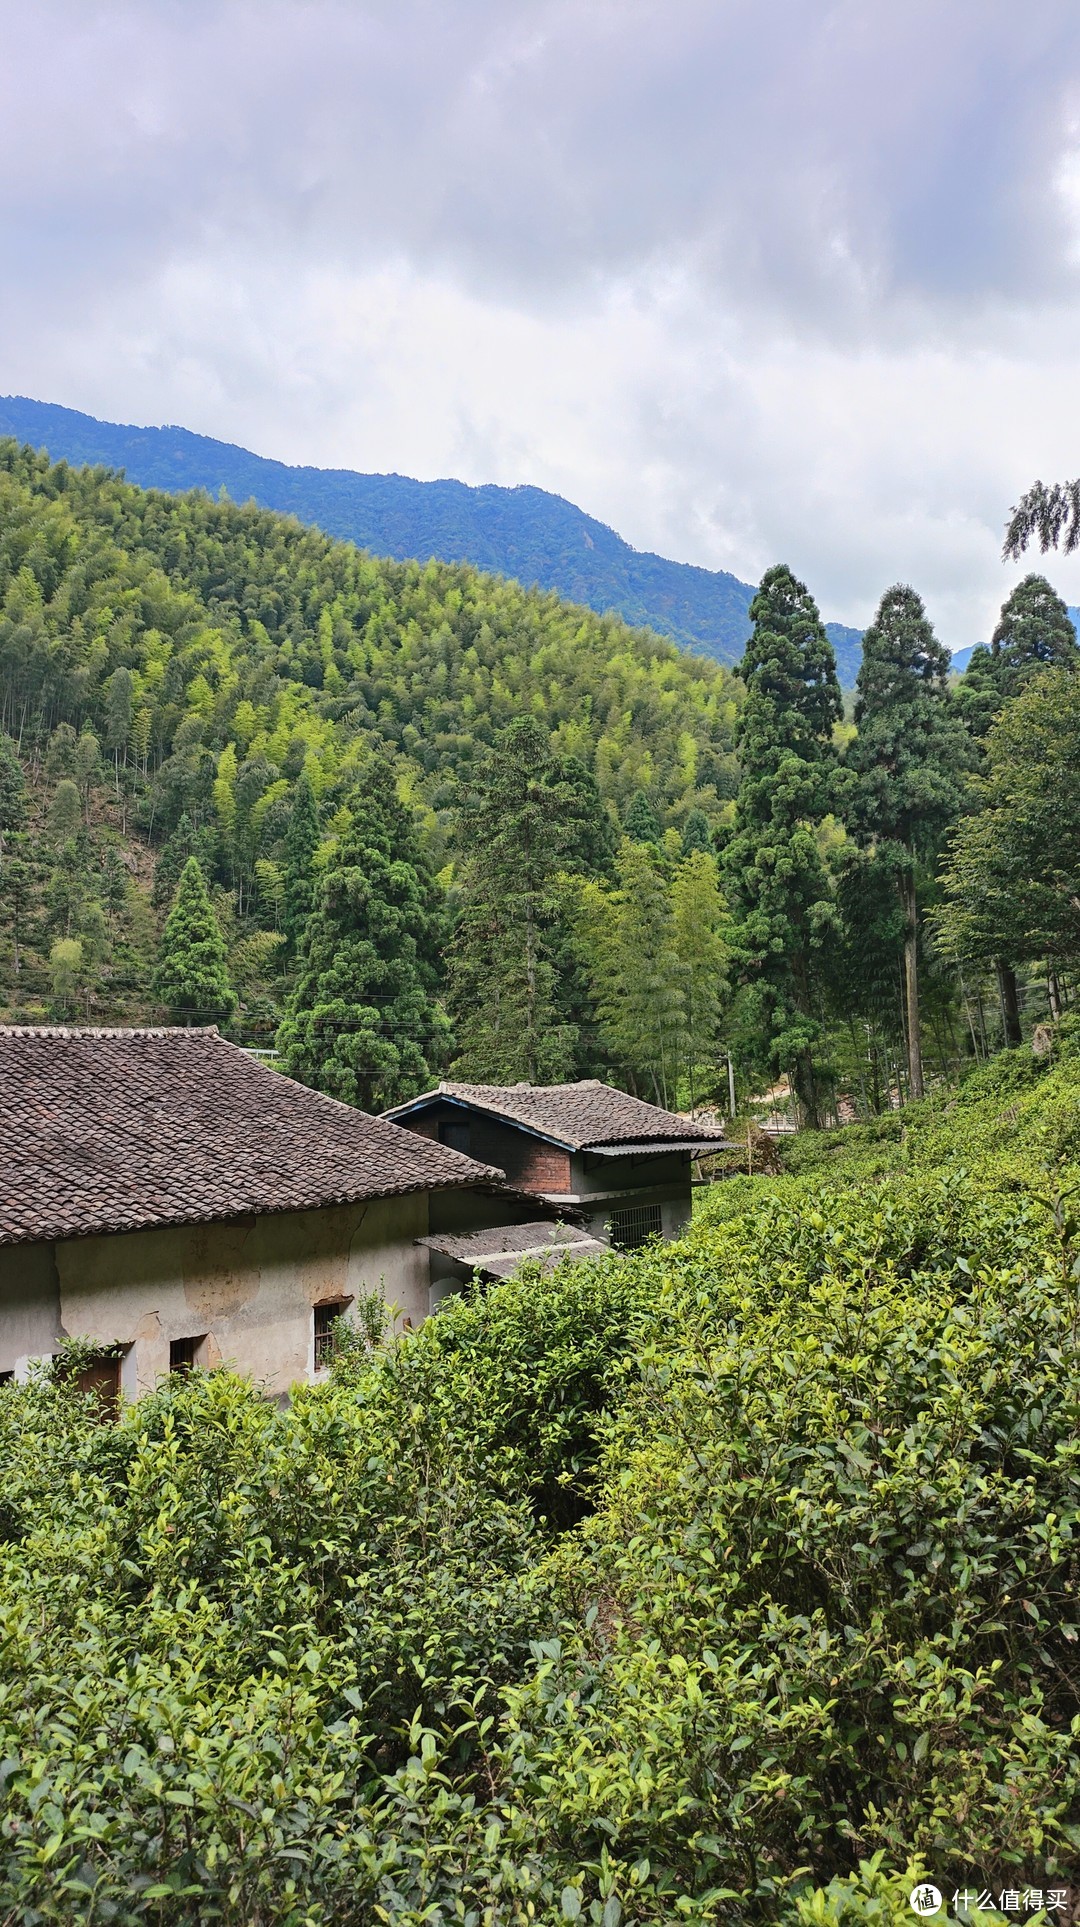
(732,1581)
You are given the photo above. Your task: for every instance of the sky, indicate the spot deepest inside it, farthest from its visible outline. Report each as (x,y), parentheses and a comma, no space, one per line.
(750,280)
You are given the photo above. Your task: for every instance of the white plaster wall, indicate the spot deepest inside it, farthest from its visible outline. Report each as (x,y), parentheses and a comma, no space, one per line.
(248,1286)
(29,1306)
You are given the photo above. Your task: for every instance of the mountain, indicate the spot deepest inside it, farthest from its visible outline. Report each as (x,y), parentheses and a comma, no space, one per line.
(522,532)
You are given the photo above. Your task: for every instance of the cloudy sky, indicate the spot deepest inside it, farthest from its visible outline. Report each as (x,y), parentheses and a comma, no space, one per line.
(748,279)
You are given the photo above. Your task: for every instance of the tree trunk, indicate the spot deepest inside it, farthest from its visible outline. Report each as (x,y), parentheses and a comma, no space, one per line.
(1053,991)
(911,984)
(806,1091)
(1009,993)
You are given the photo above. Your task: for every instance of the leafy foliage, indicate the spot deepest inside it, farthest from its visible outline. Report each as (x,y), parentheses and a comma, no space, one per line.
(362,1024)
(733,1581)
(193,968)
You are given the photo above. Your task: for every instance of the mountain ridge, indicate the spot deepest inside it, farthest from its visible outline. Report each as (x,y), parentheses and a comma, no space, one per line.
(523,532)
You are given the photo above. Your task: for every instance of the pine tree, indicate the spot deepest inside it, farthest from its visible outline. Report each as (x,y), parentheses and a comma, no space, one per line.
(775,876)
(12,792)
(192,975)
(301,843)
(909,756)
(503,977)
(589,838)
(363,1024)
(697,834)
(1034,631)
(641,821)
(1012,877)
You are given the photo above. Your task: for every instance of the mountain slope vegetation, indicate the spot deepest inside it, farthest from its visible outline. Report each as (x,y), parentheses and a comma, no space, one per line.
(179,663)
(524,532)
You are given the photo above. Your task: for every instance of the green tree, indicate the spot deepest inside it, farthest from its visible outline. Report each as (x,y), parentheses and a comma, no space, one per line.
(65,811)
(1012,876)
(66,971)
(627,938)
(86,767)
(12,792)
(60,754)
(301,843)
(696,833)
(909,756)
(16,897)
(363,1023)
(192,975)
(641,821)
(775,875)
(698,924)
(118,716)
(1034,632)
(589,838)
(503,989)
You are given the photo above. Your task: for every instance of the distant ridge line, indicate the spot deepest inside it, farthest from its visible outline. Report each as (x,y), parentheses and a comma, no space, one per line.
(521,531)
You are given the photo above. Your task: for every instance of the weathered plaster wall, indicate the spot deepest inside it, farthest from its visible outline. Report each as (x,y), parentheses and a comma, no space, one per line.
(248,1286)
(29,1306)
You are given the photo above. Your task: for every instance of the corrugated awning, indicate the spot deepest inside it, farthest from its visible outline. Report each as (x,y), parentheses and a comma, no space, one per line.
(658,1146)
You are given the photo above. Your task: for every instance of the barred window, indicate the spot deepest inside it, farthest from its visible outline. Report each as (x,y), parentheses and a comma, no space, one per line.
(635,1225)
(326,1317)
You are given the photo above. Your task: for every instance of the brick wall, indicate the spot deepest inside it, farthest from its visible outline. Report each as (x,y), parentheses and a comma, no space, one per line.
(529,1163)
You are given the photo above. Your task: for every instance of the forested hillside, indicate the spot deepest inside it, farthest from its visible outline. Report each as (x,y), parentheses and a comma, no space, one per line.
(170,668)
(521,532)
(395,818)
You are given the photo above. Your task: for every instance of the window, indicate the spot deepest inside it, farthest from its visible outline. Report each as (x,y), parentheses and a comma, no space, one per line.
(635,1225)
(326,1317)
(184,1353)
(455,1137)
(7,1378)
(100,1381)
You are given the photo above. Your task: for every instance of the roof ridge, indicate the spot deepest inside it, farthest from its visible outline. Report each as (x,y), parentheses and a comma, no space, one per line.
(102,1030)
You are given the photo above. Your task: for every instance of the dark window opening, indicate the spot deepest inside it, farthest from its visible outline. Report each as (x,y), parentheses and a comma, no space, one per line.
(456,1137)
(183,1353)
(100,1381)
(7,1378)
(326,1317)
(635,1226)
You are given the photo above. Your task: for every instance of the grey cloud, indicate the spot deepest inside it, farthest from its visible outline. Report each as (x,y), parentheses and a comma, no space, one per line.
(821,159)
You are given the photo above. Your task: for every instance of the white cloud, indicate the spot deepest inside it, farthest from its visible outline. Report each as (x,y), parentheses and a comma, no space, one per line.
(755,279)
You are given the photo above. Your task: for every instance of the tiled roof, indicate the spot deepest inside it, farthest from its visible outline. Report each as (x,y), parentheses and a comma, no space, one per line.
(577,1115)
(118,1130)
(500,1251)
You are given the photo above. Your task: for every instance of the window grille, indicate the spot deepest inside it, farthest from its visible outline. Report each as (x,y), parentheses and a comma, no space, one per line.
(455,1137)
(635,1225)
(183,1353)
(326,1317)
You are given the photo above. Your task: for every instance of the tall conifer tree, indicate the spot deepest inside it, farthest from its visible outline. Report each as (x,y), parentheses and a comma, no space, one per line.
(504,993)
(1034,632)
(775,876)
(363,1024)
(192,976)
(909,757)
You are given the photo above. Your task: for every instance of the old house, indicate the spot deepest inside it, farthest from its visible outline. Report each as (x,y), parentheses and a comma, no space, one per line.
(173,1201)
(622,1166)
